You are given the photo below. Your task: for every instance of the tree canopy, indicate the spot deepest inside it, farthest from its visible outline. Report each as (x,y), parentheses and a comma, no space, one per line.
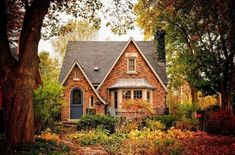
(74,30)
(200,41)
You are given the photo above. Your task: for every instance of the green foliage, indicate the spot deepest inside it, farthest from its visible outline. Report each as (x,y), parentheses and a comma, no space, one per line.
(186,116)
(154,125)
(167,120)
(49,67)
(41,146)
(90,122)
(187,110)
(92,137)
(111,142)
(47,102)
(199,41)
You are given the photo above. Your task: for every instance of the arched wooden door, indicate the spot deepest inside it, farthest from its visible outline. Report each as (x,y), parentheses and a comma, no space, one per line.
(76,104)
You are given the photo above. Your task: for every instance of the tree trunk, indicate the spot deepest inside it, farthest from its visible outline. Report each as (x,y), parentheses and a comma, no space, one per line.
(19,107)
(19,126)
(194,95)
(227,99)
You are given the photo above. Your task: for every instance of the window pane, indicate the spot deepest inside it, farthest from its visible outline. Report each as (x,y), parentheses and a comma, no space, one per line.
(115,100)
(92,101)
(137,94)
(126,94)
(131,64)
(77,97)
(148,96)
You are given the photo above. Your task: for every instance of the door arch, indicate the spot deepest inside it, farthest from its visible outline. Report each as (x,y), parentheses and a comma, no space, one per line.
(76,103)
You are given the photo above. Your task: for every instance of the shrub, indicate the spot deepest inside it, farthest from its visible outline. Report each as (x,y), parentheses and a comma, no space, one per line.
(114,143)
(187,123)
(127,127)
(186,110)
(138,106)
(90,122)
(221,122)
(167,120)
(91,137)
(154,125)
(47,102)
(40,147)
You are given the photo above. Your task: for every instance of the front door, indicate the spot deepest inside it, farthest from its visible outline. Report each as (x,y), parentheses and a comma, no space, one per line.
(76,104)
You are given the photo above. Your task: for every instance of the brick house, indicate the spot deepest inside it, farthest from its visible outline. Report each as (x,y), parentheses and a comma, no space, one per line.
(101,76)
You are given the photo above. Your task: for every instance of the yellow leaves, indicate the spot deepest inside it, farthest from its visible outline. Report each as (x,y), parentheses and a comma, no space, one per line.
(48,135)
(204,102)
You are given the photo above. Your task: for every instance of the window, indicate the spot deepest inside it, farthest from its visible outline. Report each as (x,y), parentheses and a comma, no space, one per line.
(77,97)
(115,100)
(91,101)
(137,94)
(131,65)
(126,94)
(148,96)
(75,74)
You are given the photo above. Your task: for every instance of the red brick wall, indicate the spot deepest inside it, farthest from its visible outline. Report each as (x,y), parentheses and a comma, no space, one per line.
(87,92)
(143,71)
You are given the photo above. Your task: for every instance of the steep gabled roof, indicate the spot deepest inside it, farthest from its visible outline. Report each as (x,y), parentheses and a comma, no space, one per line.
(103,54)
(87,79)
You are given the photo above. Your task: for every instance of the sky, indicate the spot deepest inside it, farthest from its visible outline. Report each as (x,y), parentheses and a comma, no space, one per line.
(104,33)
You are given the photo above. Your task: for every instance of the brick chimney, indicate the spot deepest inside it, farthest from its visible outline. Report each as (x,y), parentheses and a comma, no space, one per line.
(159,37)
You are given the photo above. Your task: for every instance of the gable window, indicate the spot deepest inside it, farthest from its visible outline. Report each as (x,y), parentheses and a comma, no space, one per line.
(137,94)
(91,101)
(131,68)
(126,94)
(75,76)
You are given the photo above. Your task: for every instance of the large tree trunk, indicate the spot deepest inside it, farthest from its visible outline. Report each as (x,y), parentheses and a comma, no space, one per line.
(18,98)
(7,62)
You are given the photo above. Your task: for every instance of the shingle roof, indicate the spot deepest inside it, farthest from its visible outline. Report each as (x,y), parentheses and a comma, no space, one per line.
(103,54)
(132,83)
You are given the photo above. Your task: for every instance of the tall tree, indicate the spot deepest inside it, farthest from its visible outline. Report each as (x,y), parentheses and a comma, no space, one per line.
(74,30)
(17,78)
(201,37)
(48,66)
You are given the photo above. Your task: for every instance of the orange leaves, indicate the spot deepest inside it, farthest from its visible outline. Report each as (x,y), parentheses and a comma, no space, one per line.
(48,135)
(138,106)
